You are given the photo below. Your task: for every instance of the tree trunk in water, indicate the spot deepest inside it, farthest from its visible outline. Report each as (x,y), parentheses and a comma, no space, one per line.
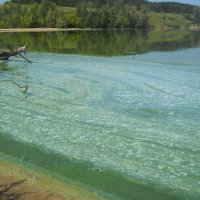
(4,55)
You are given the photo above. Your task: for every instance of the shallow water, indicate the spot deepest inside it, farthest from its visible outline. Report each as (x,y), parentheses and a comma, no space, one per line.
(133,120)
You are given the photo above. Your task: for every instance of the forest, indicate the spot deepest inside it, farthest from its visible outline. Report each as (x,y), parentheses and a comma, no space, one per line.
(172,7)
(87,14)
(165,7)
(73,3)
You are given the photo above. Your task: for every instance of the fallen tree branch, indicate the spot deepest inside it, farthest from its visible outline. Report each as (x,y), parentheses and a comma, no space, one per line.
(5,55)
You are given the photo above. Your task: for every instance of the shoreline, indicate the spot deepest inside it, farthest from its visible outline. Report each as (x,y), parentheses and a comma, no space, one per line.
(164,28)
(45,29)
(22,182)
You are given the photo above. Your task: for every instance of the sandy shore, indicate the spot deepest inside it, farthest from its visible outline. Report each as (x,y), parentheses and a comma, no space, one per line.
(43,29)
(18,189)
(18,182)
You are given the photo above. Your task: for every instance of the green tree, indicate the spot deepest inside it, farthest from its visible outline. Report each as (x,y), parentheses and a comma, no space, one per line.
(197,15)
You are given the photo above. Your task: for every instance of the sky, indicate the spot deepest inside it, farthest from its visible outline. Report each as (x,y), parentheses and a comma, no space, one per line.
(195,2)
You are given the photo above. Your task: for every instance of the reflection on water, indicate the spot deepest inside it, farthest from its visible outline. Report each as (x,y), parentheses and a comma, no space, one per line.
(107,43)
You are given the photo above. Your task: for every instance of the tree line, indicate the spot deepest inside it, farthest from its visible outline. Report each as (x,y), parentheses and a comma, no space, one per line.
(163,7)
(172,7)
(44,14)
(103,14)
(73,3)
(87,15)
(117,15)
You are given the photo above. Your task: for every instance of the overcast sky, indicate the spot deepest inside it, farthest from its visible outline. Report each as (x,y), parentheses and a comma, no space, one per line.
(196,2)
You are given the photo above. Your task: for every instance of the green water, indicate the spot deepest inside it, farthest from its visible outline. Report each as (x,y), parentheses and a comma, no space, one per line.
(110,114)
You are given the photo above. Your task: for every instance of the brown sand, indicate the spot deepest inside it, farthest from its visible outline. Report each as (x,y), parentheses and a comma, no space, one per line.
(43,29)
(17,182)
(18,189)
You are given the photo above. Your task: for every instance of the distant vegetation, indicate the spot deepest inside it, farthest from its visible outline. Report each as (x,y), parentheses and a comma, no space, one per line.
(104,14)
(47,14)
(172,7)
(73,3)
(164,7)
(197,15)
(116,15)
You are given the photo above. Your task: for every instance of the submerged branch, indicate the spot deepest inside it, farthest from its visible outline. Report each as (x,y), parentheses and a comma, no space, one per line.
(25,58)
(26,86)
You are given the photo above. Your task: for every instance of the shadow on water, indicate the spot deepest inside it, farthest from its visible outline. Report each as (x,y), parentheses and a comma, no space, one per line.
(104,181)
(105,43)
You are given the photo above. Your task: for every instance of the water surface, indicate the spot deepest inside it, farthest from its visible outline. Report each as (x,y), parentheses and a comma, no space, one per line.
(125,126)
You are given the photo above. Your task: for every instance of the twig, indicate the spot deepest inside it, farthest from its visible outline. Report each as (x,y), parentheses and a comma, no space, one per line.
(25,58)
(26,86)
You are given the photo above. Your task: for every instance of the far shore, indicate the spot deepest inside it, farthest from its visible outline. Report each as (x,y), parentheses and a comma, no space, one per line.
(192,27)
(44,29)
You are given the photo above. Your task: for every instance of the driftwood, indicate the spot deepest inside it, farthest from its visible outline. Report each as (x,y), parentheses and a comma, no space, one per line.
(5,55)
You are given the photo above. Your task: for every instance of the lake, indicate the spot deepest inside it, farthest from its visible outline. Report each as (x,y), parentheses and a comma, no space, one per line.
(116,112)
